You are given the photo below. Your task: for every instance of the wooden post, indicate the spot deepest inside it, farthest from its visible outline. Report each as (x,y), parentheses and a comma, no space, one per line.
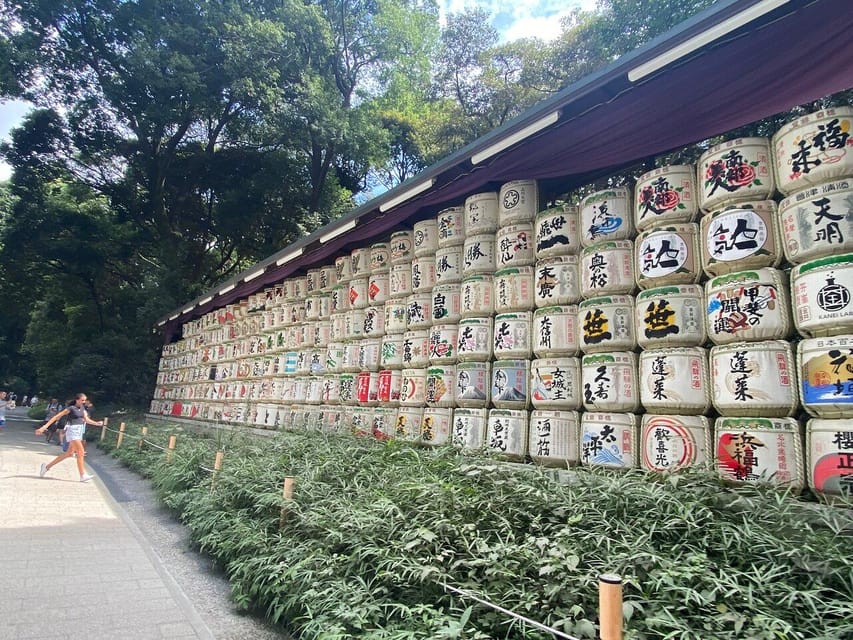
(610,606)
(217,466)
(172,441)
(287,494)
(141,442)
(104,429)
(120,434)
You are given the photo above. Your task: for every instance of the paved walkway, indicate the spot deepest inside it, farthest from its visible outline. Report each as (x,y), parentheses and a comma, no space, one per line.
(73,562)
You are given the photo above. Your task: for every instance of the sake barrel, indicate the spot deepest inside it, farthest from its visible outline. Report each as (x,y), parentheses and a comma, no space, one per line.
(423,274)
(328,278)
(518,202)
(821,291)
(469,429)
(354,324)
(674,442)
(334,357)
(514,289)
(289,290)
(506,433)
(440,385)
(481,213)
(415,349)
(675,380)
(384,419)
(555,383)
(553,438)
(474,339)
(610,382)
(478,296)
(510,384)
(754,378)
(358,298)
(451,227)
(435,426)
(557,281)
(349,362)
(419,311)
(325,305)
(338,327)
(826,376)
(394,312)
(390,385)
(668,255)
(331,390)
(829,456)
(555,331)
(413,387)
(760,450)
(402,246)
(670,316)
(360,262)
(607,268)
(737,170)
(400,280)
(380,257)
(374,322)
(391,351)
(347,393)
(447,303)
(322,333)
(473,384)
(608,440)
(748,306)
(817,221)
(442,343)
(312,307)
(512,335)
(425,237)
(408,424)
(448,264)
(379,287)
(368,354)
(557,232)
(333,419)
(514,245)
(343,268)
(743,236)
(606,324)
(478,254)
(606,215)
(312,281)
(664,196)
(367,388)
(813,149)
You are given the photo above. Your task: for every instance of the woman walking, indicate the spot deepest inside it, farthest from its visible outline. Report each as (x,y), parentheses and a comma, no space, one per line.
(78,418)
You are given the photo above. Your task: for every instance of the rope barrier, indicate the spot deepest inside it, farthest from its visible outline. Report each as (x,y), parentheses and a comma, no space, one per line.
(512,614)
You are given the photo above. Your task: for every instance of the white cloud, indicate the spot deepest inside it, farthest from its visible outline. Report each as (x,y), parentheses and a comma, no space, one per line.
(525,19)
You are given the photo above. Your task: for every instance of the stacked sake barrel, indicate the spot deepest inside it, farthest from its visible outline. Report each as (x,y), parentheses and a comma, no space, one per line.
(814,168)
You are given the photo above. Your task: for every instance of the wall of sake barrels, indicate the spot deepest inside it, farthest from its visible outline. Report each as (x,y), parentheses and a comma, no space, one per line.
(702,317)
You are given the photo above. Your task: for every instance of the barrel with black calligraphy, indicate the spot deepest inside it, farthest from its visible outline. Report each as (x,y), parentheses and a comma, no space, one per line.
(374,321)
(343,268)
(402,246)
(451,227)
(423,274)
(448,264)
(670,316)
(818,221)
(419,311)
(740,237)
(675,380)
(443,343)
(408,424)
(606,324)
(606,215)
(425,237)
(474,339)
(440,385)
(610,382)
(555,331)
(760,450)
(479,254)
(608,440)
(415,349)
(360,262)
(607,268)
(510,384)
(400,280)
(518,201)
(447,303)
(380,257)
(391,351)
(469,429)
(514,246)
(826,376)
(436,425)
(481,213)
(813,149)
(557,232)
(553,438)
(506,433)
(478,296)
(829,456)
(668,255)
(748,306)
(394,312)
(555,383)
(557,281)
(473,384)
(514,289)
(511,338)
(413,388)
(737,170)
(665,195)
(822,292)
(673,442)
(754,378)
(328,278)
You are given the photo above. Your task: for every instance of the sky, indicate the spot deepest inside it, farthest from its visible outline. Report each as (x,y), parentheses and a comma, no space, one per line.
(514,19)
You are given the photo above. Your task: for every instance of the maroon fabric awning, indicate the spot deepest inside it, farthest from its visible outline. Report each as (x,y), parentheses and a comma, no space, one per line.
(795,54)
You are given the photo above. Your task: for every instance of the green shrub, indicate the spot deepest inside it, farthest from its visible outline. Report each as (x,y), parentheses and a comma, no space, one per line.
(375,531)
